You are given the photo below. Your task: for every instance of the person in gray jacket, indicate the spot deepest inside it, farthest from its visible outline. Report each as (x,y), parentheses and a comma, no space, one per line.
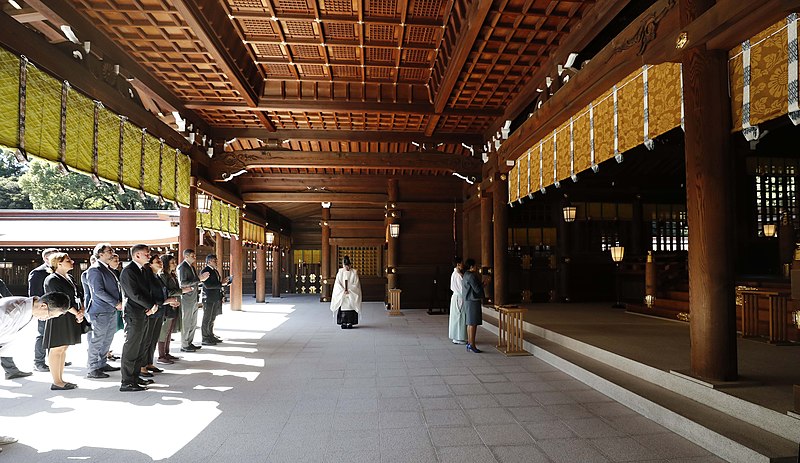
(190,284)
(104,301)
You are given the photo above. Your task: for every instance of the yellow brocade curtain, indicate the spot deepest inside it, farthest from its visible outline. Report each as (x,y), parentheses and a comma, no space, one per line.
(222,217)
(253,233)
(763,76)
(513,175)
(564,153)
(524,171)
(45,117)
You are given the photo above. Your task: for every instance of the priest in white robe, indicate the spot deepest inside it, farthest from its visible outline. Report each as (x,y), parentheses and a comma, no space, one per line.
(346,298)
(458,320)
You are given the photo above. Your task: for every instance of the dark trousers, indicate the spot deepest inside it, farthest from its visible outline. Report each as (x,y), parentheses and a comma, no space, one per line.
(151,348)
(39,350)
(211,307)
(135,326)
(144,347)
(8,365)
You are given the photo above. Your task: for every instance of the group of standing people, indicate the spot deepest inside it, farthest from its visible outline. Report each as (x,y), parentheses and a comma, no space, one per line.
(150,298)
(465,303)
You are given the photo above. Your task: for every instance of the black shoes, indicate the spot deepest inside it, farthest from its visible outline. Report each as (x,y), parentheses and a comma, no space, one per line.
(18,374)
(145,374)
(131,388)
(65,387)
(97,374)
(144,382)
(108,368)
(189,348)
(347,326)
(42,368)
(154,369)
(209,342)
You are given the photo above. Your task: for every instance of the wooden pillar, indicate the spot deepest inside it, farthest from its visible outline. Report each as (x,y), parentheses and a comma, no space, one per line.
(261,274)
(562,253)
(276,268)
(219,250)
(637,231)
(500,207)
(187,235)
(486,243)
(392,247)
(237,261)
(709,207)
(325,257)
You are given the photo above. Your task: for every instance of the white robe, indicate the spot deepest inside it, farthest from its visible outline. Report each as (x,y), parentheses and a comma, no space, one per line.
(458,321)
(351,300)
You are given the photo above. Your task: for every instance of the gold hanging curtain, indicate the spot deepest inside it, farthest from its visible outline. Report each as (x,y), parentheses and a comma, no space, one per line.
(253,233)
(222,217)
(47,118)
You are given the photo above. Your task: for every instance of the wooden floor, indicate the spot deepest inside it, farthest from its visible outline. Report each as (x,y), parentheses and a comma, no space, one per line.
(665,345)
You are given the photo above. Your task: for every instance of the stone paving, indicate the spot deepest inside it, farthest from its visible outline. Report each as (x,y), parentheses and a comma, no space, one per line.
(289,386)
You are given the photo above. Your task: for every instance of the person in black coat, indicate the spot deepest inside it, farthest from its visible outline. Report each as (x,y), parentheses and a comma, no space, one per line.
(159,292)
(473,295)
(137,305)
(62,332)
(213,291)
(36,288)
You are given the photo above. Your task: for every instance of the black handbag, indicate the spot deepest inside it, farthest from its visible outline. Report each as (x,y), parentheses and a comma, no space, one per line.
(85,326)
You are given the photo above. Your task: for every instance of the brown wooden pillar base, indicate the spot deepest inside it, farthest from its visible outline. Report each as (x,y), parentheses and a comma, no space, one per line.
(500,232)
(261,275)
(276,271)
(486,262)
(237,266)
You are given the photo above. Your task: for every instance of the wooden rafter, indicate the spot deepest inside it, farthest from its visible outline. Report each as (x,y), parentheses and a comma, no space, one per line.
(314,197)
(350,135)
(316,105)
(474,19)
(210,23)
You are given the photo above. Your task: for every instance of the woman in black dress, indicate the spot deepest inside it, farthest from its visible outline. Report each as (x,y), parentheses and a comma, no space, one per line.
(62,332)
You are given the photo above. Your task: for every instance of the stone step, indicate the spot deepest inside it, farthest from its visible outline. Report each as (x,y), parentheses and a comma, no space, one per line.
(731,428)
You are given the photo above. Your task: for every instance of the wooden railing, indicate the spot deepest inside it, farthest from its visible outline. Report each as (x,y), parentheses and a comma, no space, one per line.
(778,314)
(394,303)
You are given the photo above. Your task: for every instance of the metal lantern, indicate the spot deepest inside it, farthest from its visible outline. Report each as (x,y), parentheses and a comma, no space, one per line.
(649,300)
(617,253)
(270,237)
(394,230)
(770,230)
(203,203)
(569,213)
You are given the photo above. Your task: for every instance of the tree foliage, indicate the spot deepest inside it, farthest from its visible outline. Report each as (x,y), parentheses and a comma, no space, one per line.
(11,194)
(46,187)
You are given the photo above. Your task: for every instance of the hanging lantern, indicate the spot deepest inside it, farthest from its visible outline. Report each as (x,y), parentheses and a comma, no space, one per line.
(270,238)
(569,213)
(203,203)
(770,230)
(394,230)
(617,253)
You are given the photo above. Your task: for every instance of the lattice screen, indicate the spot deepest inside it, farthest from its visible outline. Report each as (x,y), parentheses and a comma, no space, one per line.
(364,258)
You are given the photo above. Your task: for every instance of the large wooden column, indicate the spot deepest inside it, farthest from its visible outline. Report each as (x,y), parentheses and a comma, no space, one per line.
(500,207)
(709,207)
(486,243)
(562,253)
(187,220)
(276,268)
(261,274)
(219,250)
(325,254)
(392,248)
(237,261)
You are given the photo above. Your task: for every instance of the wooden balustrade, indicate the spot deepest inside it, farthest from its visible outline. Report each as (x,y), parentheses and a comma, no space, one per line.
(779,314)
(394,303)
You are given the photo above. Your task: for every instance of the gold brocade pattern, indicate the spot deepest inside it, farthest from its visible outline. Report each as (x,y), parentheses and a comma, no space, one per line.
(108,145)
(769,68)
(168,172)
(604,127)
(523,175)
(152,160)
(512,183)
(9,99)
(664,98)
(630,103)
(547,160)
(564,157)
(184,178)
(736,79)
(132,156)
(43,115)
(80,132)
(582,142)
(253,233)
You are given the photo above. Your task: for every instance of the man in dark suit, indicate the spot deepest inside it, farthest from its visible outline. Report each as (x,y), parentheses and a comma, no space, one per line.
(213,291)
(36,288)
(137,304)
(104,300)
(188,278)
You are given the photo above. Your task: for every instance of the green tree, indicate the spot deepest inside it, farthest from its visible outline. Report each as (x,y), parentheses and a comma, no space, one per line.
(49,188)
(11,194)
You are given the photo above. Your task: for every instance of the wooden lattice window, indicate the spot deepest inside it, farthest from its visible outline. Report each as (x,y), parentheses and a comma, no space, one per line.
(775,190)
(669,229)
(364,258)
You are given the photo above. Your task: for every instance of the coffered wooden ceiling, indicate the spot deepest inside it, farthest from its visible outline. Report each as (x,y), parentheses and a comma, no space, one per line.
(383,76)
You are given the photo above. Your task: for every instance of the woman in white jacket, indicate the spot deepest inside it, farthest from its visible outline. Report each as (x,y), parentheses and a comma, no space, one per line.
(458,321)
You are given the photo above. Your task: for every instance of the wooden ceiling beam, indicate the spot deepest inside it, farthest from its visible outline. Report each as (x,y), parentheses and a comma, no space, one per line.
(280,158)
(209,22)
(332,18)
(375,107)
(375,136)
(474,18)
(314,197)
(582,34)
(64,12)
